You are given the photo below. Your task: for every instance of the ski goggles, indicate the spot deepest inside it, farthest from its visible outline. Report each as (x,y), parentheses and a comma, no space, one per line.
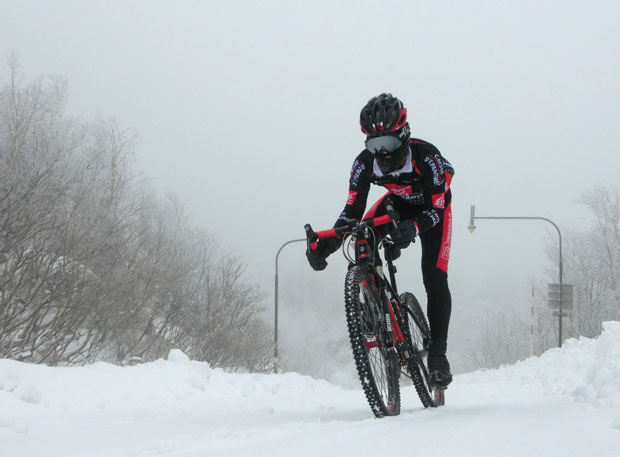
(387,143)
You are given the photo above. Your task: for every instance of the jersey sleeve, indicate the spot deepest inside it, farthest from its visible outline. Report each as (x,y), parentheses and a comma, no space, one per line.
(437,175)
(359,186)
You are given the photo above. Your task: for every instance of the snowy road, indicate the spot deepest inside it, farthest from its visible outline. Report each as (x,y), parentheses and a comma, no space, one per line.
(565,403)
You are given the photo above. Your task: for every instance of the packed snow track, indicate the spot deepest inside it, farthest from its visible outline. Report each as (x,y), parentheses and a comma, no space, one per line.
(564,403)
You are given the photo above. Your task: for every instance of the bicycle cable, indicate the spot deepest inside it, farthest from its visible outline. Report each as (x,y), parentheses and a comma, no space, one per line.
(347,241)
(345,251)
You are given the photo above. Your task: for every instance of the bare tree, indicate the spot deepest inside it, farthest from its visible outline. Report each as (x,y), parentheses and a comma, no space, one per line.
(94,266)
(504,338)
(36,143)
(594,262)
(591,264)
(224,324)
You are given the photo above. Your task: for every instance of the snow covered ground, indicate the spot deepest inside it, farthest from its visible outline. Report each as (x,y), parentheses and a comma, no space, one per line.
(564,403)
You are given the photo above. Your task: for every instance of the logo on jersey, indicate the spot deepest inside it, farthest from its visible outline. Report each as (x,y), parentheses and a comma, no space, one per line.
(444,253)
(351,197)
(445,248)
(345,218)
(439,201)
(356,171)
(433,216)
(436,166)
(401,191)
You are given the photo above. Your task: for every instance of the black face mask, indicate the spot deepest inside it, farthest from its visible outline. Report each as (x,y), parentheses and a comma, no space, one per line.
(392,161)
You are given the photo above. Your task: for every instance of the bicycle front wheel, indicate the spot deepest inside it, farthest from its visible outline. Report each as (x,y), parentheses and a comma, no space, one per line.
(375,357)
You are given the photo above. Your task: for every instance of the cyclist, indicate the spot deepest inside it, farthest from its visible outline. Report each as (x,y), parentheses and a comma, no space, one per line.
(418,179)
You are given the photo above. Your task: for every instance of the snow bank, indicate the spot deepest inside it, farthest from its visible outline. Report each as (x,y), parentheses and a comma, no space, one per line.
(172,383)
(598,376)
(585,370)
(556,404)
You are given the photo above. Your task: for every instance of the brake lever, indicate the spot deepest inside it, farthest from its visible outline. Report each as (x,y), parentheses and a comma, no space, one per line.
(393,215)
(312,237)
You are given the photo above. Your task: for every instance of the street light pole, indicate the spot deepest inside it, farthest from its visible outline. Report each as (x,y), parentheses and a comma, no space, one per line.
(472,227)
(275,325)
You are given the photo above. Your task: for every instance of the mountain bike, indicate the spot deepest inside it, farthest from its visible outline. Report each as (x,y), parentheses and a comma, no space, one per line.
(389,333)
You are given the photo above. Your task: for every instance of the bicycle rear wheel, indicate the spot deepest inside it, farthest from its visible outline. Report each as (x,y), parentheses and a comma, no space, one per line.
(416,330)
(377,364)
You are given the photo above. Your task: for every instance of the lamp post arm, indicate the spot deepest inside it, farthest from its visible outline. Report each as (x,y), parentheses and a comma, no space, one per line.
(275,324)
(473,217)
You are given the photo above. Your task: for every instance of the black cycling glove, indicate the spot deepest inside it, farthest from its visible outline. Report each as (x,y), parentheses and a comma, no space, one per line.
(404,235)
(316,257)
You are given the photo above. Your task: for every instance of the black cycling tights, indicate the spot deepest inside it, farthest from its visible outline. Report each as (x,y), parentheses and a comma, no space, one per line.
(436,284)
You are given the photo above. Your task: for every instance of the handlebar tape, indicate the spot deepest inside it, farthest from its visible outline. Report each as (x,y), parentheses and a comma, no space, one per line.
(337,231)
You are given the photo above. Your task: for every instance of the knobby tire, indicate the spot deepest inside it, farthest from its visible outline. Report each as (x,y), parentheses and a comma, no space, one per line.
(377,366)
(416,329)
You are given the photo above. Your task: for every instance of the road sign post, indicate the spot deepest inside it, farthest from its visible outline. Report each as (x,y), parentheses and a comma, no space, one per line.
(560,297)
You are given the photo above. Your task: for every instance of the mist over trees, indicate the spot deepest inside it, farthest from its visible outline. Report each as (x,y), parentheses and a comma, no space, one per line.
(93,265)
(591,263)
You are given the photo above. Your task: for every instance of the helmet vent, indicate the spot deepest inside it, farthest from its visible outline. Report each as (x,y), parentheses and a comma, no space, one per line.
(384,113)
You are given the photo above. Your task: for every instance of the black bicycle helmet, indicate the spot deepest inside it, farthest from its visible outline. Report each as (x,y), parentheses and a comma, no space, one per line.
(384,122)
(383,115)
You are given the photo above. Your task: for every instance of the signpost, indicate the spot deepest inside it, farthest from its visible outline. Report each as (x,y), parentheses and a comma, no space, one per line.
(557,298)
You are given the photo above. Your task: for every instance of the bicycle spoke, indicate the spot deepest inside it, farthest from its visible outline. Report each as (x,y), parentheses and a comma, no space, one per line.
(417,332)
(368,339)
(379,370)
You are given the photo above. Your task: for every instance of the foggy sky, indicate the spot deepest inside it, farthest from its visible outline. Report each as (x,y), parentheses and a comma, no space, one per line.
(248,112)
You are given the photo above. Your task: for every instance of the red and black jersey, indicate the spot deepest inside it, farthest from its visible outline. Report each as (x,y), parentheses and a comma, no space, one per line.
(420,191)
(422,184)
